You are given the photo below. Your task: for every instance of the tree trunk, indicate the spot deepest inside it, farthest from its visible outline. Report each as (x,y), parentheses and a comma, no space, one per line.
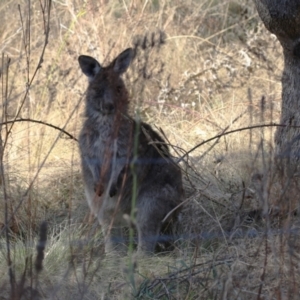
(282,18)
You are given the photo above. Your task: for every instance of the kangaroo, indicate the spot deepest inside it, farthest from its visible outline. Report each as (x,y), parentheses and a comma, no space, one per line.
(114,147)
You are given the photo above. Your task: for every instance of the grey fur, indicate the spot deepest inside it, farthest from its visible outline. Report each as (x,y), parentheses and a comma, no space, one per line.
(107,143)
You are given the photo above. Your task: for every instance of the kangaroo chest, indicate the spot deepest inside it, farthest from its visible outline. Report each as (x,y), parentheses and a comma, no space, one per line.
(109,139)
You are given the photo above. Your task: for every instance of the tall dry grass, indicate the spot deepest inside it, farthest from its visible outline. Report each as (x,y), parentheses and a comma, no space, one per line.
(217,74)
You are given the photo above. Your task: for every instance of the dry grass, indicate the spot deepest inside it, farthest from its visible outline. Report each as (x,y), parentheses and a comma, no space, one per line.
(219,70)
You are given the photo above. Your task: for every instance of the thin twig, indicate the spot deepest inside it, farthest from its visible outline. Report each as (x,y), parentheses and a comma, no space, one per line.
(234,131)
(179,205)
(25,194)
(43,123)
(39,65)
(3,141)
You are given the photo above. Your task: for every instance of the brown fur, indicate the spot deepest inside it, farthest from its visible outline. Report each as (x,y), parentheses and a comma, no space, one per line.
(107,144)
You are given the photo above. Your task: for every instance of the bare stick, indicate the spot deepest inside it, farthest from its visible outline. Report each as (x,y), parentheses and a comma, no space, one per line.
(43,123)
(233,131)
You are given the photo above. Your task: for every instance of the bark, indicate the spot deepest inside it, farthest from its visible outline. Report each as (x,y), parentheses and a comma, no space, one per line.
(282,18)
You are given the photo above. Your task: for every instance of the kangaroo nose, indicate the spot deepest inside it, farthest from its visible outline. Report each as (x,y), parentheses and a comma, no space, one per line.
(108,108)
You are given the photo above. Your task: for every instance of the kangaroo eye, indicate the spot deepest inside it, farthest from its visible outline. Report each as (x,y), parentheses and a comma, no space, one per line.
(119,89)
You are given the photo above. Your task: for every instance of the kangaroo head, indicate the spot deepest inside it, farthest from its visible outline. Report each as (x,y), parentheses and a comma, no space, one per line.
(106,92)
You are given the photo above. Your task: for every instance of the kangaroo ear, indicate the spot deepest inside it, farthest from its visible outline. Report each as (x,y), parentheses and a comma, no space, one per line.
(122,62)
(89,66)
